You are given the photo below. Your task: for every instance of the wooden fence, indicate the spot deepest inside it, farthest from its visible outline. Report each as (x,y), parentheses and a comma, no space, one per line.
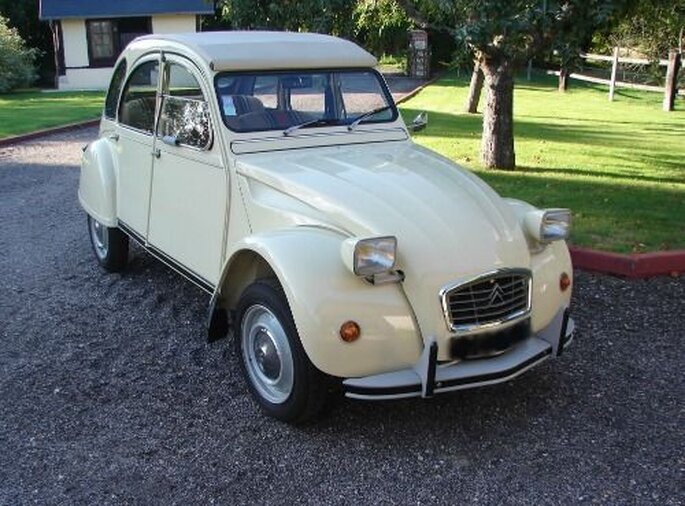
(672,66)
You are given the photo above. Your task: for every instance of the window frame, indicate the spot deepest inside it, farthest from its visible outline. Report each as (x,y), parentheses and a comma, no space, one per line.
(94,62)
(124,81)
(384,88)
(150,57)
(190,67)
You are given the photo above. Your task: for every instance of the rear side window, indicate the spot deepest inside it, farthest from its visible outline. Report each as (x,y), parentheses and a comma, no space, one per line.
(138,101)
(115,90)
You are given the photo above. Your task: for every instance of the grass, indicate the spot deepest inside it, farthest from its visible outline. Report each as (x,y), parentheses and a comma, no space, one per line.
(393,63)
(619,166)
(27,111)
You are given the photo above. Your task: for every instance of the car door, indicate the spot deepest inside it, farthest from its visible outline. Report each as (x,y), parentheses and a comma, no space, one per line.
(189,194)
(134,142)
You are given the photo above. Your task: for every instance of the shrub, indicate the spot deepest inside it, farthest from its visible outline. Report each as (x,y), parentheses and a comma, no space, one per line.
(17,67)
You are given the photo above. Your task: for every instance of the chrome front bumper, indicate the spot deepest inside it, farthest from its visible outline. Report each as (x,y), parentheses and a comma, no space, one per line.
(428,377)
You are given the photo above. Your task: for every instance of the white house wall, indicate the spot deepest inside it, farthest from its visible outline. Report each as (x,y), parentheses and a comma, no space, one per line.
(78,76)
(173,23)
(75,43)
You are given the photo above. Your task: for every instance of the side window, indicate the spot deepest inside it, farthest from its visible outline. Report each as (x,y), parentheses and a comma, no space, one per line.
(115,90)
(137,108)
(185,112)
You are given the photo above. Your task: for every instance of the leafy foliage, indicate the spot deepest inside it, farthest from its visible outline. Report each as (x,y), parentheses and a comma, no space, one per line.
(651,26)
(381,26)
(325,16)
(23,15)
(516,30)
(16,60)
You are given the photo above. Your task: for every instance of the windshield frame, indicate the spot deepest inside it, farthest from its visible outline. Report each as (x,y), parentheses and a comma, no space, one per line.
(342,124)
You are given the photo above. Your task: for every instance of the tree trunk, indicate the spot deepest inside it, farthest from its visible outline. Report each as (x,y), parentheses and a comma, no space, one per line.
(497,146)
(475,88)
(563,80)
(671,80)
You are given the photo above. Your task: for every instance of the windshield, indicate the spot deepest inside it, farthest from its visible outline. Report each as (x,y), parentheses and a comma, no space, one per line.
(259,101)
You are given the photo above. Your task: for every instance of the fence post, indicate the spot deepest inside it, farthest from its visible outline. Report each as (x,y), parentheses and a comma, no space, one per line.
(671,80)
(614,70)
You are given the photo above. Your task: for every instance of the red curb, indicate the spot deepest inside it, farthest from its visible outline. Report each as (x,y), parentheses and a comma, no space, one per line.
(642,265)
(16,139)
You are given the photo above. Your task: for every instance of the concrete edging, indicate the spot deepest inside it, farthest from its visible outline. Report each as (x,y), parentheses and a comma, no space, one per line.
(16,139)
(420,88)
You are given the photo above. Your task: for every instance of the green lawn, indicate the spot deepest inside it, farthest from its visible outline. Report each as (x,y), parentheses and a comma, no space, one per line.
(26,111)
(619,166)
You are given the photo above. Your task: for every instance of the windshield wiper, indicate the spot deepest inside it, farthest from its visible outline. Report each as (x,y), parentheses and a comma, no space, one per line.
(366,115)
(313,122)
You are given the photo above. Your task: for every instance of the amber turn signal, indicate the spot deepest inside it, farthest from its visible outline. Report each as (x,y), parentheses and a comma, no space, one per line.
(564,281)
(350,331)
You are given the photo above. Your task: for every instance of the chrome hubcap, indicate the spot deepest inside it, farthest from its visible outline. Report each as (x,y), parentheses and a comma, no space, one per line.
(98,234)
(266,353)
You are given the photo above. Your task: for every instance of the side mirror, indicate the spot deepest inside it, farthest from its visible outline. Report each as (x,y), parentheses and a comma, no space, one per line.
(419,123)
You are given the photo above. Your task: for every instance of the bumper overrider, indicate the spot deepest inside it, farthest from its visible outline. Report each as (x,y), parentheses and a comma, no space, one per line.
(427,377)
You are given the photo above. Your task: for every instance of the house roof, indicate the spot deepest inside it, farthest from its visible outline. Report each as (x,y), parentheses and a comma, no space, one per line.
(259,50)
(60,9)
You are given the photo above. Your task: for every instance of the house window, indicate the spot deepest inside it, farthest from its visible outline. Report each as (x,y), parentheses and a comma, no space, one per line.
(101,40)
(107,38)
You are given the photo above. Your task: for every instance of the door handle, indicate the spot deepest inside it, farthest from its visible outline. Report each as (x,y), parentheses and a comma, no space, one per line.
(114,137)
(156,153)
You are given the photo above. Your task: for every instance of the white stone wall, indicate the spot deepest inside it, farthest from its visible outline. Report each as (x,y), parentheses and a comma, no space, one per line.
(75,43)
(173,23)
(76,50)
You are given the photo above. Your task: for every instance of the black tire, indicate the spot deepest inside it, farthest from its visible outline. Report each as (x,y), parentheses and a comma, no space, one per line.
(110,245)
(307,396)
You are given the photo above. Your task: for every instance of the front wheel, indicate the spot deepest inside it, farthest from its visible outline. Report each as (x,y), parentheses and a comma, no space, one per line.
(110,245)
(278,372)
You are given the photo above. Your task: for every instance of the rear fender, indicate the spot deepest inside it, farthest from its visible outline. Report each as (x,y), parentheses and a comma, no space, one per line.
(97,183)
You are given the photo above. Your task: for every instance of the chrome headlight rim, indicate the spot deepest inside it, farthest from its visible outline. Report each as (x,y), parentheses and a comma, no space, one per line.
(548,225)
(370,256)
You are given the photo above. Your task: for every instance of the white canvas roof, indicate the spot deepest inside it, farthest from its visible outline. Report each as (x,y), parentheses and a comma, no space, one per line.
(254,50)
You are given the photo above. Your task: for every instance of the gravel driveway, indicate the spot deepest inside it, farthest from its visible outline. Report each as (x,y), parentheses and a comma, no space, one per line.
(109,393)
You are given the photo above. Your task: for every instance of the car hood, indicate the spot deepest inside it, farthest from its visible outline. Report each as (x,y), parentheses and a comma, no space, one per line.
(449,224)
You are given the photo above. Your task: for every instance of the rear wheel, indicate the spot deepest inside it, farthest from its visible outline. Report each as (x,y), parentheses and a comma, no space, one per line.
(110,245)
(278,372)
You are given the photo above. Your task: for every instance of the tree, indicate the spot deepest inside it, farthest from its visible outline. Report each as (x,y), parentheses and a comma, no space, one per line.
(651,26)
(323,16)
(23,15)
(16,60)
(503,34)
(381,26)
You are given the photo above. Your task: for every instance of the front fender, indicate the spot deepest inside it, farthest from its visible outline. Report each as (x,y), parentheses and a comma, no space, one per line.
(323,294)
(97,183)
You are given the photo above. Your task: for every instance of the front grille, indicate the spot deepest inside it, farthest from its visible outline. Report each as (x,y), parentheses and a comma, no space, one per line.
(488,300)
